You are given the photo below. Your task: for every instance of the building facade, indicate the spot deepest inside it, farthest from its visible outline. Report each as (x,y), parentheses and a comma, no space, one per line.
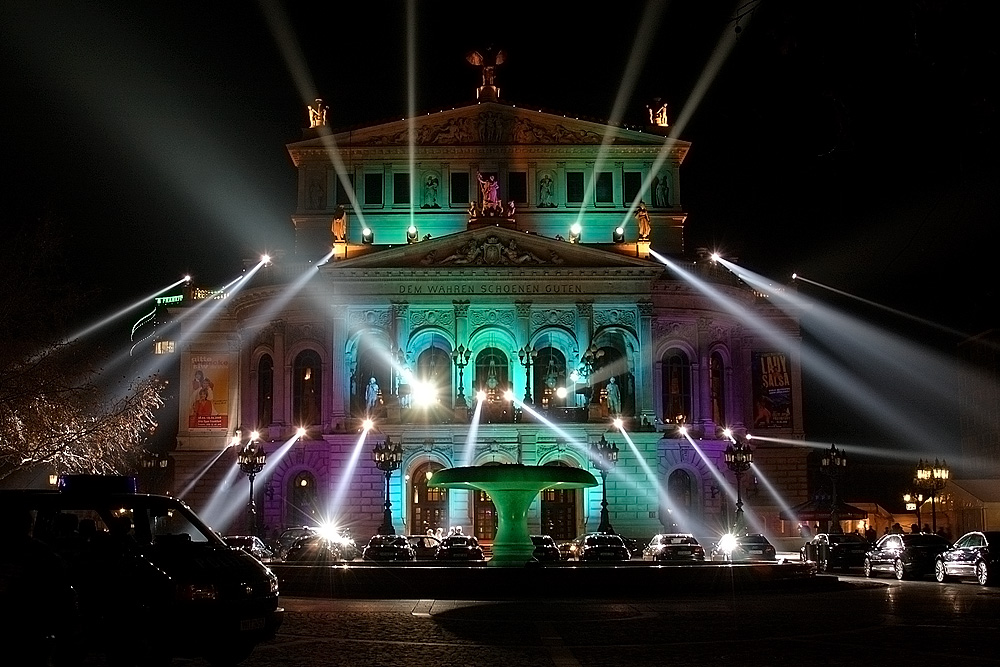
(445,262)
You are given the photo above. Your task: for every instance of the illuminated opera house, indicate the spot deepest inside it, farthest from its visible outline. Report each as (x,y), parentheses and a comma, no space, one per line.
(486,285)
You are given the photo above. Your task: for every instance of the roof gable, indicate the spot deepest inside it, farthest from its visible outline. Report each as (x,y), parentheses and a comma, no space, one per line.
(491,123)
(493,247)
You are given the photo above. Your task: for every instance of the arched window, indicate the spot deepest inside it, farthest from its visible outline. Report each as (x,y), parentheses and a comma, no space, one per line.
(680,490)
(303,505)
(493,378)
(307,388)
(429,507)
(717,386)
(613,364)
(265,391)
(559,511)
(676,387)
(549,374)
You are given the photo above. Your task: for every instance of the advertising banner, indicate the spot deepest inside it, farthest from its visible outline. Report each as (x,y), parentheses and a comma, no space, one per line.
(772,391)
(208,391)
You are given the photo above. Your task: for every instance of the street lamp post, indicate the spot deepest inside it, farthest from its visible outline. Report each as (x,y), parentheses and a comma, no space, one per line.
(604,455)
(912,500)
(833,464)
(387,457)
(461,356)
(251,460)
(933,477)
(527,356)
(738,457)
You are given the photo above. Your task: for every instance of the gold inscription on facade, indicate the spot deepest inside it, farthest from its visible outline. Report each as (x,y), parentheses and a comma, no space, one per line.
(490,288)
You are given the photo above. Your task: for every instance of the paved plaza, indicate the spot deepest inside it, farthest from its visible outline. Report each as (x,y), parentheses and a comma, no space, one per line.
(852,621)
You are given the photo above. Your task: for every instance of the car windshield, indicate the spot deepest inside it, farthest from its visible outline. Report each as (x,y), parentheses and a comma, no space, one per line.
(848,537)
(604,541)
(924,540)
(541,540)
(752,539)
(457,541)
(677,539)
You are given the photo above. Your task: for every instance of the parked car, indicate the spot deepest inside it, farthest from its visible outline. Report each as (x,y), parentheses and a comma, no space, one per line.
(905,555)
(252,544)
(314,550)
(830,550)
(594,547)
(752,547)
(975,555)
(289,537)
(545,548)
(673,547)
(134,562)
(388,548)
(425,547)
(460,547)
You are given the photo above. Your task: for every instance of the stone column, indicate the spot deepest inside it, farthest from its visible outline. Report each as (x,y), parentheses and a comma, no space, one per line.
(339,382)
(281,406)
(705,378)
(643,372)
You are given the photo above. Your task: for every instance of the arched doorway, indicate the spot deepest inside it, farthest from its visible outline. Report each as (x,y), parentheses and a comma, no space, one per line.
(680,492)
(559,511)
(265,391)
(493,378)
(614,364)
(549,375)
(717,386)
(484,513)
(372,363)
(428,504)
(303,500)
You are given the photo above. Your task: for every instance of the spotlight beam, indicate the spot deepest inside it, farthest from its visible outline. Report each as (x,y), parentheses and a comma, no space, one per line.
(114,316)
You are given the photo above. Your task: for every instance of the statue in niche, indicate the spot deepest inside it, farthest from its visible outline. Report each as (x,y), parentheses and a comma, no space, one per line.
(545,199)
(338,226)
(614,397)
(431,184)
(371,395)
(317,193)
(642,220)
(661,192)
(317,114)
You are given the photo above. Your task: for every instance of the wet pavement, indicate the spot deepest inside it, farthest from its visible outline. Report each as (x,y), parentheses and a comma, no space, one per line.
(850,620)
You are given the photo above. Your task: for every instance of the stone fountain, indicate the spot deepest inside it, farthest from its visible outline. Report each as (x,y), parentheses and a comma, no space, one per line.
(512,489)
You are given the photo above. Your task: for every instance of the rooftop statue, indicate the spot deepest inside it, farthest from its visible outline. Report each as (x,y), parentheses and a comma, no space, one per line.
(488,63)
(317,113)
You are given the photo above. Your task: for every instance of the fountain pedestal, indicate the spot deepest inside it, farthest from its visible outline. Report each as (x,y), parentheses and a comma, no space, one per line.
(512,488)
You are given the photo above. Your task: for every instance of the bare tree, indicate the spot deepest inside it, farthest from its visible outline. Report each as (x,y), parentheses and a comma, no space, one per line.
(57,407)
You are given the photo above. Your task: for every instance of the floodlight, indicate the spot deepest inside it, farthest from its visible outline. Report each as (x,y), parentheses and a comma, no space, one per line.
(411,234)
(367,236)
(574,232)
(618,236)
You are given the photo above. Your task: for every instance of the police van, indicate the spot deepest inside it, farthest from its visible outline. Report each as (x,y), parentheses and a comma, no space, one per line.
(146,579)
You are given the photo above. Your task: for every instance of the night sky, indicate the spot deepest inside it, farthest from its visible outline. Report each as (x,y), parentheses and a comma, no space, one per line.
(850,141)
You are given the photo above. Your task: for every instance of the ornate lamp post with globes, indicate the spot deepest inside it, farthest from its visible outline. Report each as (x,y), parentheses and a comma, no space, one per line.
(251,460)
(833,464)
(933,477)
(912,500)
(460,356)
(604,455)
(738,457)
(387,455)
(527,356)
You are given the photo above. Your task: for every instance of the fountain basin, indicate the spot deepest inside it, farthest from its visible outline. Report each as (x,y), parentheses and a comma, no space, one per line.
(512,488)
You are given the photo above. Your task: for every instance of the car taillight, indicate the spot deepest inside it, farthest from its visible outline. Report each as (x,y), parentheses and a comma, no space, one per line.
(193,592)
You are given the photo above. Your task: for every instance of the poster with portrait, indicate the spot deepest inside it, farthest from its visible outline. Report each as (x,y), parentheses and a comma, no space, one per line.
(772,391)
(207,391)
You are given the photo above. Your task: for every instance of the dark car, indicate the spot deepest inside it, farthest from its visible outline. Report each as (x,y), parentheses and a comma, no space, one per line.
(388,548)
(545,548)
(252,544)
(289,537)
(425,547)
(594,547)
(459,547)
(832,550)
(905,555)
(971,558)
(137,562)
(314,550)
(673,547)
(743,548)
